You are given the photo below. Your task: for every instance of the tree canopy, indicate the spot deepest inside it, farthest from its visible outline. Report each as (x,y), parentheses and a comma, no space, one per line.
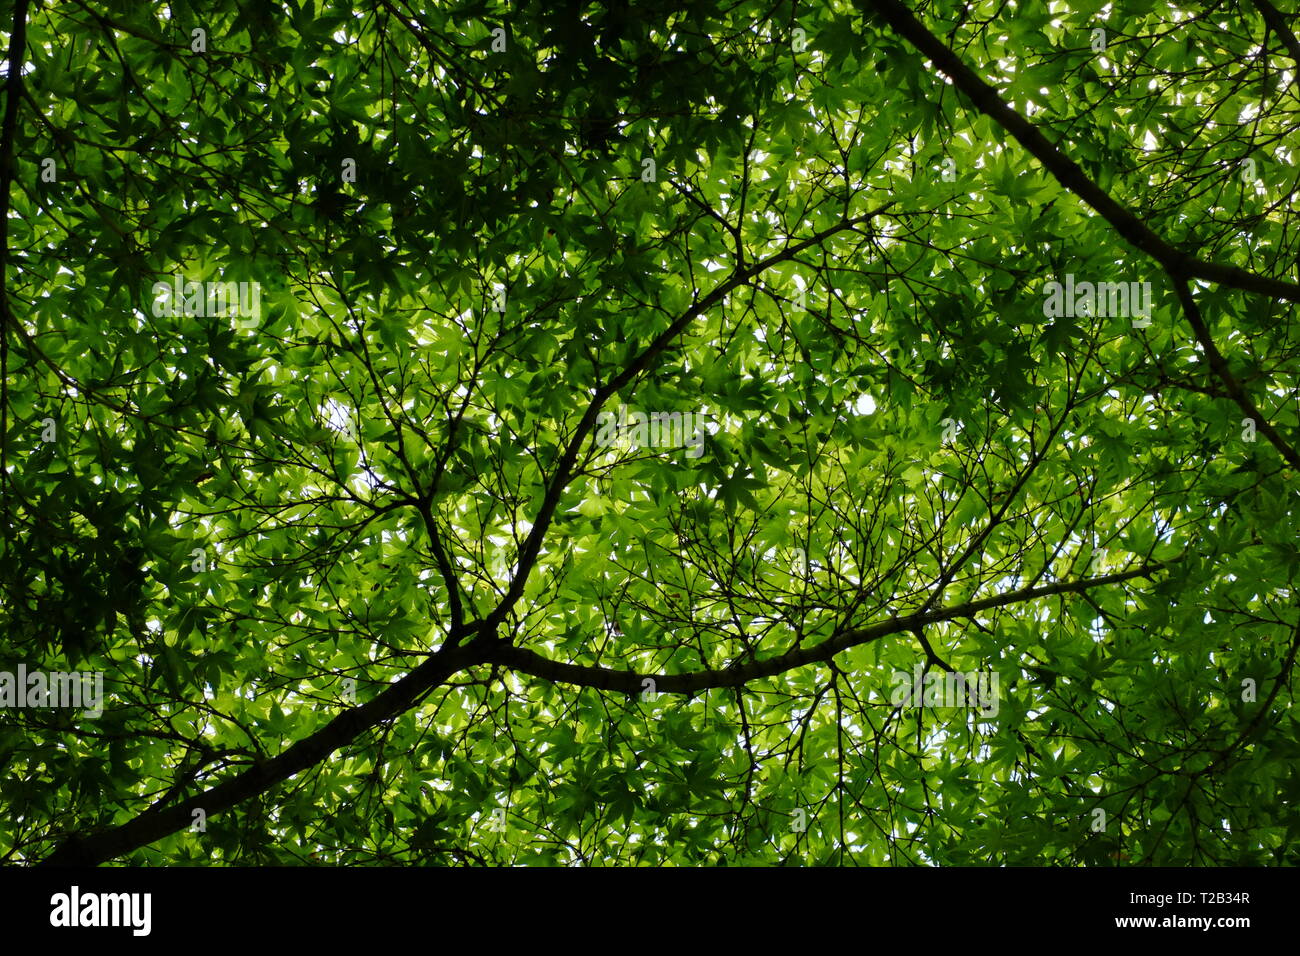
(553,433)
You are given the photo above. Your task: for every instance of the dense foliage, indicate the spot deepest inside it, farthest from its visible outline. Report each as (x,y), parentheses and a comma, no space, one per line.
(382,563)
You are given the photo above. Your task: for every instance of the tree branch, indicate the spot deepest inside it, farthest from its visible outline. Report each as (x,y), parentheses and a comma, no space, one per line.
(564,468)
(630,682)
(1179,264)
(8,128)
(1219,365)
(1277,23)
(154,824)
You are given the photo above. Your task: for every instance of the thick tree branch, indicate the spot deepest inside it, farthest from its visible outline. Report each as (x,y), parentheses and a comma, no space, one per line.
(1179,264)
(1277,23)
(630,682)
(154,824)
